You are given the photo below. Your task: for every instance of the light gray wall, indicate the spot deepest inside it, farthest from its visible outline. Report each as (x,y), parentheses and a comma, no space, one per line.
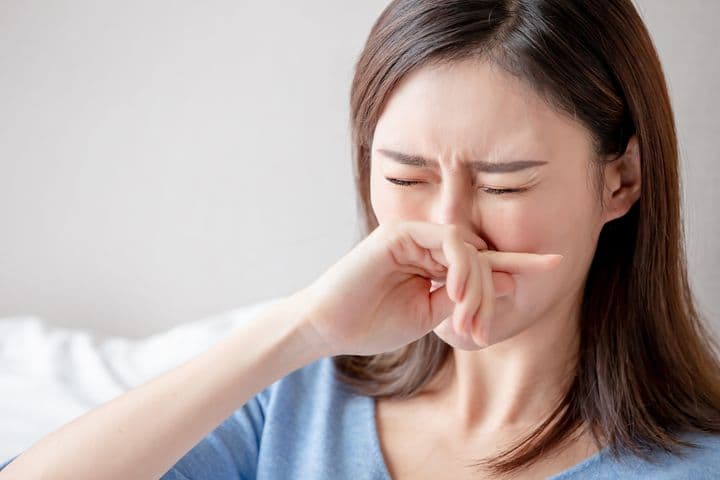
(685,34)
(165,160)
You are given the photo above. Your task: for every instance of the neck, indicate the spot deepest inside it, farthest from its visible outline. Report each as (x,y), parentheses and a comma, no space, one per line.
(516,383)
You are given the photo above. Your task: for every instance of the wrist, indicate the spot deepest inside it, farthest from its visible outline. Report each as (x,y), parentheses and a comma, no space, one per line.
(299,307)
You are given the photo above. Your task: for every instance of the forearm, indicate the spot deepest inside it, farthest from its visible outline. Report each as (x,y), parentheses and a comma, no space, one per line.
(144,432)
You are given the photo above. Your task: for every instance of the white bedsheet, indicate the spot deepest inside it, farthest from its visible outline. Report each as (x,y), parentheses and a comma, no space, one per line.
(49,375)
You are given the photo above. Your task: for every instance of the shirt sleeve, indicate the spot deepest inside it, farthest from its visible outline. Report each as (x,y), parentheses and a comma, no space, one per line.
(228,452)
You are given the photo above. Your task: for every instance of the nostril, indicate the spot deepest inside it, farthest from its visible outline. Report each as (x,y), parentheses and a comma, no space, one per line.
(482,244)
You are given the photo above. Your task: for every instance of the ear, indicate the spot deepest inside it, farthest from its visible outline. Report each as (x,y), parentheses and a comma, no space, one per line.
(622,181)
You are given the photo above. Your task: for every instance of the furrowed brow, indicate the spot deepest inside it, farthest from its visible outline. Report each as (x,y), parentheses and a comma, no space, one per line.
(475,165)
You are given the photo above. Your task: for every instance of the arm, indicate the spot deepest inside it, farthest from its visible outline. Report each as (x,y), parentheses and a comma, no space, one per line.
(144,432)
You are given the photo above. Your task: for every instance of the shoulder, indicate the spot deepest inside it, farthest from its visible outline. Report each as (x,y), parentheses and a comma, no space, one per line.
(699,462)
(316,378)
(704,458)
(314,387)
(316,428)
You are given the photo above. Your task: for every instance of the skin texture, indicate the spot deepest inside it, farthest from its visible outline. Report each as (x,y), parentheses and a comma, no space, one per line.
(472,110)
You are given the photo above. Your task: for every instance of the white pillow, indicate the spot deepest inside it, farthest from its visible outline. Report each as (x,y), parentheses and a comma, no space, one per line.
(49,375)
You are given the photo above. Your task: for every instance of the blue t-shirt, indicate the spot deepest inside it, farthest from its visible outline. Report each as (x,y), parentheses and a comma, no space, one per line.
(310,425)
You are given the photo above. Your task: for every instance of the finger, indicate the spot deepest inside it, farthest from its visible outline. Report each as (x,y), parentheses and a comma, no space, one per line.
(480,323)
(473,293)
(459,267)
(441,306)
(513,262)
(416,244)
(503,282)
(431,235)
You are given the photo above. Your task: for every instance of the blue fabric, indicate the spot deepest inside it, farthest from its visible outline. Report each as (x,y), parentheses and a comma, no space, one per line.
(309,425)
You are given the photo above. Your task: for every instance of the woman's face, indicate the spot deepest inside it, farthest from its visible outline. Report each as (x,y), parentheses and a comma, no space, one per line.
(470,111)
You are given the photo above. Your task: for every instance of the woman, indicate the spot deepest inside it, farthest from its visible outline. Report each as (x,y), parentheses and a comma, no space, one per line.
(520,305)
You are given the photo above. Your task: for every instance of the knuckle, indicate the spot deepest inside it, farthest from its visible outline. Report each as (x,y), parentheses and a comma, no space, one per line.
(402,248)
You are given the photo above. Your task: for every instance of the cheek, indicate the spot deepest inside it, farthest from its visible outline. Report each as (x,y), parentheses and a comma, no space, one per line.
(521,227)
(389,204)
(561,221)
(545,226)
(378,199)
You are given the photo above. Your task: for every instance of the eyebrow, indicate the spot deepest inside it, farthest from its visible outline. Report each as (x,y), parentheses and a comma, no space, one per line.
(475,166)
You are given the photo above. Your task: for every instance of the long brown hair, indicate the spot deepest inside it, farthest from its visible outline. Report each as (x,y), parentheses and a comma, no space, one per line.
(647,368)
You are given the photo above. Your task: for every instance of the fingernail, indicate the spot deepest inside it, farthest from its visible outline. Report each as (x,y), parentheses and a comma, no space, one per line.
(554,259)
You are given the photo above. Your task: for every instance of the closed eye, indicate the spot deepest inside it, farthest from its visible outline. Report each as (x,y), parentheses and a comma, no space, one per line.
(494,191)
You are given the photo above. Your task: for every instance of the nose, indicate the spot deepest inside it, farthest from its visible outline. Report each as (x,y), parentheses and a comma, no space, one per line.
(455,205)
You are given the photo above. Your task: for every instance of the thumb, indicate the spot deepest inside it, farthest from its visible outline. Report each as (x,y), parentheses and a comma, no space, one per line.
(441,307)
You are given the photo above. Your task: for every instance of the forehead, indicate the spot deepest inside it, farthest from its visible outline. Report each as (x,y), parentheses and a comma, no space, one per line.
(474,109)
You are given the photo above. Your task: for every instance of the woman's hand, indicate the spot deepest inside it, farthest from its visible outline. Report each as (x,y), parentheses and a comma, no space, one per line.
(378,297)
